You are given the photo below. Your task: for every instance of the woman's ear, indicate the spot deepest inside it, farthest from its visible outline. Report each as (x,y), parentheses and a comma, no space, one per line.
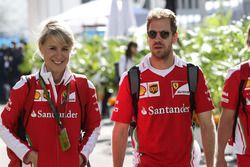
(40,48)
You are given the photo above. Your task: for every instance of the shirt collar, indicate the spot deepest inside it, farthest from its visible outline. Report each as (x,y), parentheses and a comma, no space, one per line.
(48,78)
(146,63)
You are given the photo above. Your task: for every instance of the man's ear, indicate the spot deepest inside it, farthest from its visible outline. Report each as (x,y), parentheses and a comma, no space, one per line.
(175,37)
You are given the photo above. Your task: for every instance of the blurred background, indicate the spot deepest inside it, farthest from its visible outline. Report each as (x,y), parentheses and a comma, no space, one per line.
(211,34)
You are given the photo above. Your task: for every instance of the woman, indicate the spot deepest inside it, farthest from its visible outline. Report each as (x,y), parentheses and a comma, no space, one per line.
(126,61)
(54,125)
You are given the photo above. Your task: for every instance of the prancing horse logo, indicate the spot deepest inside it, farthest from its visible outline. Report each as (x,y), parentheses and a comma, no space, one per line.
(175,85)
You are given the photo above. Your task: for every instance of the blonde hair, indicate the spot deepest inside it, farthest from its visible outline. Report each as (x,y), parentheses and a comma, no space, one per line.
(159,13)
(58,29)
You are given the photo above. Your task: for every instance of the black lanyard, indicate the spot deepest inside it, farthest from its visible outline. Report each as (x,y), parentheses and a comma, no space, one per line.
(52,106)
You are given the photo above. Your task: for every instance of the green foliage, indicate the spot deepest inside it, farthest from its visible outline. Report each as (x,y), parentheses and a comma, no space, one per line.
(216,45)
(215,48)
(97,62)
(31,59)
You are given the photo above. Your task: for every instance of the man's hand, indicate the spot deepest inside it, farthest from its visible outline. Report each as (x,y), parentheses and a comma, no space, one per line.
(221,162)
(119,143)
(80,159)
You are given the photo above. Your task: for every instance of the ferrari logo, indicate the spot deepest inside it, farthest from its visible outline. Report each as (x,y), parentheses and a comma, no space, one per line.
(175,85)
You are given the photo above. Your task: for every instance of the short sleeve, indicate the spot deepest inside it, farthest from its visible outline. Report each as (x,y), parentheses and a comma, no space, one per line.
(203,100)
(123,108)
(230,92)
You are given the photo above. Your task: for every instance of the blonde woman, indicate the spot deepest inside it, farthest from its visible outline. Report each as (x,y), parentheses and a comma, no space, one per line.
(57,118)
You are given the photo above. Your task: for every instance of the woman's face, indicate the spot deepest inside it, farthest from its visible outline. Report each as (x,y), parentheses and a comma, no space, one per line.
(134,50)
(56,54)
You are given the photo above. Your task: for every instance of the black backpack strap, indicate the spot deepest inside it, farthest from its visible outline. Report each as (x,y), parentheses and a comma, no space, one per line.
(31,81)
(27,108)
(192,77)
(81,84)
(244,73)
(134,83)
(117,75)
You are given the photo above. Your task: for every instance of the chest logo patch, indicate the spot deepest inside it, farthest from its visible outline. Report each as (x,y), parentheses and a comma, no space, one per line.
(40,95)
(142,90)
(149,89)
(179,88)
(247,85)
(153,88)
(175,85)
(37,95)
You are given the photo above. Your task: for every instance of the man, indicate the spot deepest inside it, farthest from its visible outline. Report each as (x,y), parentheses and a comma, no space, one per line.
(163,135)
(233,109)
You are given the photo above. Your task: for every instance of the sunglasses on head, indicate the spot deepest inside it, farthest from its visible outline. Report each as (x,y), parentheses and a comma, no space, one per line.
(163,34)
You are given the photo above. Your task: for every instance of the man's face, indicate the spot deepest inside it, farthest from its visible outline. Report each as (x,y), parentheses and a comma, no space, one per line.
(160,38)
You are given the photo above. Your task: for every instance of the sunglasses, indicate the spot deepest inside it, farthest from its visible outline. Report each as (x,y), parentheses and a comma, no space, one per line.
(163,34)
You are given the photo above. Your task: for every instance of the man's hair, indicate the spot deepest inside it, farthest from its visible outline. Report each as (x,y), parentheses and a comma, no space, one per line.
(248,37)
(159,13)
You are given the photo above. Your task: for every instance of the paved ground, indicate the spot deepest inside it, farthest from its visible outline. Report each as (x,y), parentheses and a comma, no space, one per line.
(101,156)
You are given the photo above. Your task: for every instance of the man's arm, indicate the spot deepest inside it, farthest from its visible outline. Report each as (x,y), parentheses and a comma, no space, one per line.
(208,136)
(224,133)
(119,143)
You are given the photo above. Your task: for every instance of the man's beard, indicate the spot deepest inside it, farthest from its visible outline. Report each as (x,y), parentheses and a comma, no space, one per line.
(163,54)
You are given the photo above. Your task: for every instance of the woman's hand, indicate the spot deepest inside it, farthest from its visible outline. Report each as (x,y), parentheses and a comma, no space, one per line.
(82,160)
(32,157)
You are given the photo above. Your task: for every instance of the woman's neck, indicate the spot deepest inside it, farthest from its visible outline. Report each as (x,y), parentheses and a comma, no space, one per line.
(57,77)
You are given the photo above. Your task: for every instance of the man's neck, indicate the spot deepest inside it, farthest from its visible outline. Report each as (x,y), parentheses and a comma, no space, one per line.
(162,63)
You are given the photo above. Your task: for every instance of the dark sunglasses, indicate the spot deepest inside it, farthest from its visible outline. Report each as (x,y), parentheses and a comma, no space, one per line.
(164,34)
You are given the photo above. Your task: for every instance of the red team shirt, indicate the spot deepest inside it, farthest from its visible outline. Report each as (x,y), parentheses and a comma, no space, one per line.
(164,128)
(42,127)
(229,100)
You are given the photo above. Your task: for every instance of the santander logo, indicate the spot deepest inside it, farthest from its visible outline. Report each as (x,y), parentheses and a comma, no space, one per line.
(43,114)
(151,110)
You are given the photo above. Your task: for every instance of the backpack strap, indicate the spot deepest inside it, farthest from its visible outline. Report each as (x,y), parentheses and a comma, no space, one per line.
(117,76)
(244,74)
(134,83)
(192,77)
(27,109)
(30,98)
(82,86)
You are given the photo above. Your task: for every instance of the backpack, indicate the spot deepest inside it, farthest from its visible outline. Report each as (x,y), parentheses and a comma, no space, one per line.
(81,84)
(134,83)
(23,118)
(244,73)
(117,75)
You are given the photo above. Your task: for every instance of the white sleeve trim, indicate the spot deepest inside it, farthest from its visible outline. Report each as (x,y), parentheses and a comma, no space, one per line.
(89,146)
(12,142)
